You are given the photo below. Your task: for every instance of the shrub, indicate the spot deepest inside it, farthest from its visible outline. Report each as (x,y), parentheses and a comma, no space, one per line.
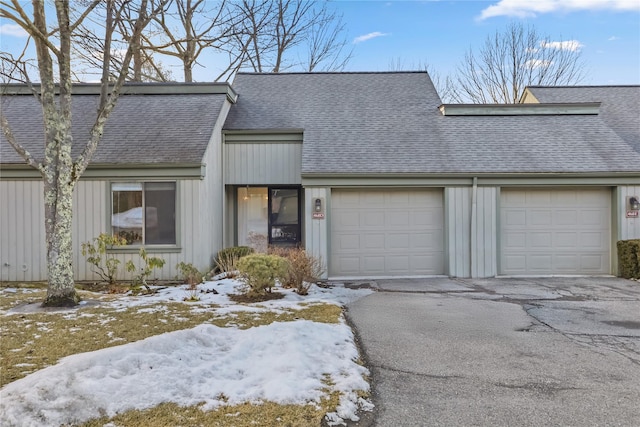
(148,265)
(227,259)
(96,252)
(629,258)
(303,268)
(260,272)
(190,275)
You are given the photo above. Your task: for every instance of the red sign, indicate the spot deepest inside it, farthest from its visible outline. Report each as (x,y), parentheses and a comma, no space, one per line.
(318,215)
(632,214)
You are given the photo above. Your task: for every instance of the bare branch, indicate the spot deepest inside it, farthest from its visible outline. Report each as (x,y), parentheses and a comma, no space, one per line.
(511,60)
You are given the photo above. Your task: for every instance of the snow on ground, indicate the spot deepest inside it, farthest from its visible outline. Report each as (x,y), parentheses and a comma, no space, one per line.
(284,362)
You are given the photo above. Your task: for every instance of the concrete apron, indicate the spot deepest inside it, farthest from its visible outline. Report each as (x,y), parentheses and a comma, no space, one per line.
(534,351)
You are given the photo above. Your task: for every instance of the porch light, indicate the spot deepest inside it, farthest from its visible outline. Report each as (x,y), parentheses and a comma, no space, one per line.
(634,204)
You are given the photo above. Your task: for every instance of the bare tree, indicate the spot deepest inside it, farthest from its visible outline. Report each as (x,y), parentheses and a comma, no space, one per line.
(59,170)
(271,32)
(200,25)
(89,43)
(511,60)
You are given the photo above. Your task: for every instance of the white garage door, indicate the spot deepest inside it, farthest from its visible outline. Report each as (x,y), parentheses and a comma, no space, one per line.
(546,231)
(378,233)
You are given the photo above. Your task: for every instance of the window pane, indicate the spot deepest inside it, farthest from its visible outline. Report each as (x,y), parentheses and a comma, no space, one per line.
(252,217)
(160,213)
(126,214)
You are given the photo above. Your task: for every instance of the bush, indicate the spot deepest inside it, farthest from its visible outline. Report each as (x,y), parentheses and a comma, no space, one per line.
(227,259)
(260,272)
(629,258)
(303,269)
(96,253)
(189,274)
(144,270)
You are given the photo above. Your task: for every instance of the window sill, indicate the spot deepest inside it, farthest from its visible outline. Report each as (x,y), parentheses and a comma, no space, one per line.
(151,249)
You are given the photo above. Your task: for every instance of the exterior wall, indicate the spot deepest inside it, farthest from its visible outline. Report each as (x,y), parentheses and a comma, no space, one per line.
(484,233)
(262,163)
(628,228)
(209,236)
(22,242)
(457,224)
(22,235)
(316,231)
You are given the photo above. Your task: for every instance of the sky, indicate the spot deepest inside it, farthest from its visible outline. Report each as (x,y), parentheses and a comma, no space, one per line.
(388,35)
(438,33)
(202,364)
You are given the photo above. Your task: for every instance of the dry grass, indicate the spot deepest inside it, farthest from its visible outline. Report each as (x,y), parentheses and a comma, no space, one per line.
(245,415)
(32,341)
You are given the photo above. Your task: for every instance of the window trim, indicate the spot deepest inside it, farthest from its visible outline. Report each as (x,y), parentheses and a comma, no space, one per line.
(150,248)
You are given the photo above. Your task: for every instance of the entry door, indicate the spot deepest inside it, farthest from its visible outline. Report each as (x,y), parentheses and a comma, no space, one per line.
(284,216)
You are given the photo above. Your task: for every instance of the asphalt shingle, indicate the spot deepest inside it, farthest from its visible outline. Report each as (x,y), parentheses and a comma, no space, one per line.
(620,105)
(372,123)
(142,129)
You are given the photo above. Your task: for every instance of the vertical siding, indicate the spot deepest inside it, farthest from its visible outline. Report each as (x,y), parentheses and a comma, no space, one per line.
(484,250)
(263,163)
(22,235)
(90,211)
(628,228)
(458,230)
(317,230)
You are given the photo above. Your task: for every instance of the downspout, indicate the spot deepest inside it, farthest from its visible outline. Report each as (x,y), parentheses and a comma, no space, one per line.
(474,216)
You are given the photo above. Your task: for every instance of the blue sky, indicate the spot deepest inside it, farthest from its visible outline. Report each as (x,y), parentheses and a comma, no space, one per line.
(438,33)
(412,33)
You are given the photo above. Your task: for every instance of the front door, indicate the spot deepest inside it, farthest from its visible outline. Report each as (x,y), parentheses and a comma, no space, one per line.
(268,216)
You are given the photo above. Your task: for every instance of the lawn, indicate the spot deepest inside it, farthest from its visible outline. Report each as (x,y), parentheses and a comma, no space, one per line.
(178,357)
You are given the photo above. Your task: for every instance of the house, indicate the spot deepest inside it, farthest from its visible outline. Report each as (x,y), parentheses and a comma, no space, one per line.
(369,171)
(159,154)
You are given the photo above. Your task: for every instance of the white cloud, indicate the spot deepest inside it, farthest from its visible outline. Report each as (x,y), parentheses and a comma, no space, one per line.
(369,36)
(572,45)
(537,63)
(612,38)
(14,30)
(529,8)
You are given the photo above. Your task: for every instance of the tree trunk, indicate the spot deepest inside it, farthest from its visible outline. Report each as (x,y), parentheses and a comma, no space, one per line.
(61,290)
(58,201)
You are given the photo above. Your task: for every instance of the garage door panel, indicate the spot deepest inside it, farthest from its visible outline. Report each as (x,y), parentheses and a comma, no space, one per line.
(400,232)
(539,217)
(545,231)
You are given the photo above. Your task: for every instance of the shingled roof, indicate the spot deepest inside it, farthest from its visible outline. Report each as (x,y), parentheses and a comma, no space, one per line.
(620,105)
(389,123)
(152,124)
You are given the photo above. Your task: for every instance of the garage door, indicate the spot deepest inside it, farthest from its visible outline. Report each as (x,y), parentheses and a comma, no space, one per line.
(377,233)
(546,232)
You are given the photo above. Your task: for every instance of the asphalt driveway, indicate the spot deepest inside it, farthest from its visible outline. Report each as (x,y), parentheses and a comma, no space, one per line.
(502,352)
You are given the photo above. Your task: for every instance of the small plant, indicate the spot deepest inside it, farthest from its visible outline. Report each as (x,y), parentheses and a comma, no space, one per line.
(144,272)
(260,272)
(227,259)
(303,268)
(96,252)
(192,277)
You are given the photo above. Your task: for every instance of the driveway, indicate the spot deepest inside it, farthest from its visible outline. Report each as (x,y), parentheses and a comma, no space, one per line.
(502,352)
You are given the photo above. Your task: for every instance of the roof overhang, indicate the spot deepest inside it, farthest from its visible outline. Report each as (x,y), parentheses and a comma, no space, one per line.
(114,171)
(577,108)
(217,88)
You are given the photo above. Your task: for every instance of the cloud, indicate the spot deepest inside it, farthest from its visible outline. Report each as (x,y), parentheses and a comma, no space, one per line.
(529,8)
(572,45)
(612,38)
(369,36)
(14,30)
